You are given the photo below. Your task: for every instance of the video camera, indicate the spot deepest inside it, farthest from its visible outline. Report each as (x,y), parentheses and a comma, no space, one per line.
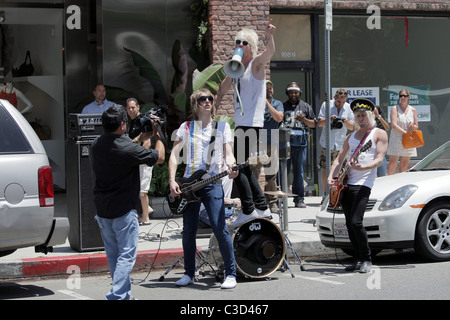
(144,123)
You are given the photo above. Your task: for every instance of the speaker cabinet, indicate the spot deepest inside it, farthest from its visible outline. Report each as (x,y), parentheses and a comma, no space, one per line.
(84,234)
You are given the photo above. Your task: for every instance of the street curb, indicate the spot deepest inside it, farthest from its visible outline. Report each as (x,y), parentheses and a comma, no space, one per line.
(84,264)
(98,263)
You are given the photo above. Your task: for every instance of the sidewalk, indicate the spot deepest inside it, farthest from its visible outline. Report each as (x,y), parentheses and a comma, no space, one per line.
(159,246)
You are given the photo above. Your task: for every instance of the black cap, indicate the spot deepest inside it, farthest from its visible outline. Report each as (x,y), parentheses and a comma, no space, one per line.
(362,104)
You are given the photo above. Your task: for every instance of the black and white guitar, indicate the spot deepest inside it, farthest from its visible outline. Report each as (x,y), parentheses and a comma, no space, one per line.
(198,180)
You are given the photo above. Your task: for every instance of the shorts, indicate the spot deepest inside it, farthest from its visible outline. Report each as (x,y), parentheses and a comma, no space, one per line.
(145,174)
(323,158)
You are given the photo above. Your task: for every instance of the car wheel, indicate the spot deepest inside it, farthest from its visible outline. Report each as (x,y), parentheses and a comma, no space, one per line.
(433,233)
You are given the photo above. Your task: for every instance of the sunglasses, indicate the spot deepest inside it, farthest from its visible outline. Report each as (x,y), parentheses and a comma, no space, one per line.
(244,43)
(404,96)
(204,98)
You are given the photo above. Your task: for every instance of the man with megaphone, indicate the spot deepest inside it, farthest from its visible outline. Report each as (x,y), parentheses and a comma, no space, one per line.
(247,72)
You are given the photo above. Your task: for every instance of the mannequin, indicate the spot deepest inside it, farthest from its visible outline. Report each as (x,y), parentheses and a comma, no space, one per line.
(12,94)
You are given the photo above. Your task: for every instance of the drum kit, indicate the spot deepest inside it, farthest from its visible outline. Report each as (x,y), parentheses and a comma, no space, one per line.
(259,246)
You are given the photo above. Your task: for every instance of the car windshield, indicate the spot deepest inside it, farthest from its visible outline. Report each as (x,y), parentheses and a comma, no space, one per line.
(439,159)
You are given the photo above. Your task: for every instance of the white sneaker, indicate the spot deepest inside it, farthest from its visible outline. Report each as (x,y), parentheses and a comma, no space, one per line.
(263,213)
(229,283)
(184,281)
(243,218)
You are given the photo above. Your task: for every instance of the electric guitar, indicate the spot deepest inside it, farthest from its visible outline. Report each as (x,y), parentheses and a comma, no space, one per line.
(337,190)
(194,183)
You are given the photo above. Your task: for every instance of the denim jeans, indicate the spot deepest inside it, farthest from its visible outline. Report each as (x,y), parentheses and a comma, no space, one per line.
(212,197)
(298,160)
(120,237)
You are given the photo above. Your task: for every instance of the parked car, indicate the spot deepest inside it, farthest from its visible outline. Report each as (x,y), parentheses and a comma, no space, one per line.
(26,188)
(405,210)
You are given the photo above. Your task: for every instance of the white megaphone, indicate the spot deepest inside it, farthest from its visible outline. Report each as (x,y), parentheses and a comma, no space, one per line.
(234,67)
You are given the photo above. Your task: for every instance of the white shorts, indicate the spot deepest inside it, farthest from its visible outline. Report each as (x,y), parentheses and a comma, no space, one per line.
(145,173)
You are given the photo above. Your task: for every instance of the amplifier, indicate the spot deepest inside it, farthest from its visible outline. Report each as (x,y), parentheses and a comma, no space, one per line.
(84,232)
(84,126)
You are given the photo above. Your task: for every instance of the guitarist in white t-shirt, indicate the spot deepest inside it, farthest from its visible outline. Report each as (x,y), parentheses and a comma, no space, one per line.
(361,176)
(202,152)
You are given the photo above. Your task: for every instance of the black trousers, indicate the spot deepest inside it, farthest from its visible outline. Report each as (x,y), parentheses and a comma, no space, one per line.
(250,191)
(354,204)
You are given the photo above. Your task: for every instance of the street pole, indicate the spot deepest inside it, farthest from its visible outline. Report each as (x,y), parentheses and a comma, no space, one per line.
(328,28)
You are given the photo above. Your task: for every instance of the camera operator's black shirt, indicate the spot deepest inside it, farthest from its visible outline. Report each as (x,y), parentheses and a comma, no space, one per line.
(115,162)
(132,129)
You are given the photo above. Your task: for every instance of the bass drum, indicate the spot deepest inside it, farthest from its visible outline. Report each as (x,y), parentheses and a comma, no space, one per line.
(259,248)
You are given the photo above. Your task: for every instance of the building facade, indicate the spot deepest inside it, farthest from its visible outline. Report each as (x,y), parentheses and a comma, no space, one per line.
(376,48)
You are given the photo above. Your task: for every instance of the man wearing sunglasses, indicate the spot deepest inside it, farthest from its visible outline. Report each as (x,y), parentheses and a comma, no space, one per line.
(251,88)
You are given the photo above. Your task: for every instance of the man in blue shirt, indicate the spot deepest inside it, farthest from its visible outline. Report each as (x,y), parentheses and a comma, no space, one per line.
(100,104)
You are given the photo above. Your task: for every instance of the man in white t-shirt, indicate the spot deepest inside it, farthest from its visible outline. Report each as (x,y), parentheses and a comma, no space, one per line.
(205,146)
(342,120)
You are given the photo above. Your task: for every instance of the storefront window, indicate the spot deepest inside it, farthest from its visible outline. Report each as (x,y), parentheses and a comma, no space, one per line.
(405,52)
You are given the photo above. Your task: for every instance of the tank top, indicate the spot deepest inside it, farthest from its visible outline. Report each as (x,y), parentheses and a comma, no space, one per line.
(366,177)
(253,96)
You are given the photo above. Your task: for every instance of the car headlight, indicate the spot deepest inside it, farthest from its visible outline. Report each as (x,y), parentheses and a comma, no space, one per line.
(397,198)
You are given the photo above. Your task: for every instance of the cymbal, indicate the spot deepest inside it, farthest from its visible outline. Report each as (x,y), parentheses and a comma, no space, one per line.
(279,193)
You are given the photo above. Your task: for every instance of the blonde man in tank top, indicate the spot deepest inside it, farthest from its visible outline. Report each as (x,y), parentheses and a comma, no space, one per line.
(361,176)
(249,118)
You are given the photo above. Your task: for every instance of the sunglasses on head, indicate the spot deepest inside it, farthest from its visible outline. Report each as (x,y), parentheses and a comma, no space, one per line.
(204,98)
(244,43)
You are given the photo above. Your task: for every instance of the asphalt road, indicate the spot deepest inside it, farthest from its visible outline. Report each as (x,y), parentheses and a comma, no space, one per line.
(394,276)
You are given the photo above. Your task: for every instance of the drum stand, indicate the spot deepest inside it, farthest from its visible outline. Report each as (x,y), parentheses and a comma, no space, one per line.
(282,205)
(199,263)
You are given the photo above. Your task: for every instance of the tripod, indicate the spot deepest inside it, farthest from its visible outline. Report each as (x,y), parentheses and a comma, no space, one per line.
(200,262)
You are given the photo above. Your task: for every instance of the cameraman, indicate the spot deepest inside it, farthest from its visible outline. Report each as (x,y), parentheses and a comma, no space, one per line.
(342,119)
(145,172)
(115,161)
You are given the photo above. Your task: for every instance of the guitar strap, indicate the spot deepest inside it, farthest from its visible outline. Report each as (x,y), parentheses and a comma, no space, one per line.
(214,125)
(361,143)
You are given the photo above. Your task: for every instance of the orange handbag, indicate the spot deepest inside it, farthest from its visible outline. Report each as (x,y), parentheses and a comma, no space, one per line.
(413,139)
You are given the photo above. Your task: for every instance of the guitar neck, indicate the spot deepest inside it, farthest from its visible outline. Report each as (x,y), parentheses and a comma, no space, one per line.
(202,183)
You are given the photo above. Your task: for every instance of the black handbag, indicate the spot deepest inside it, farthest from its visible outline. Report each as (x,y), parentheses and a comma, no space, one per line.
(26,68)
